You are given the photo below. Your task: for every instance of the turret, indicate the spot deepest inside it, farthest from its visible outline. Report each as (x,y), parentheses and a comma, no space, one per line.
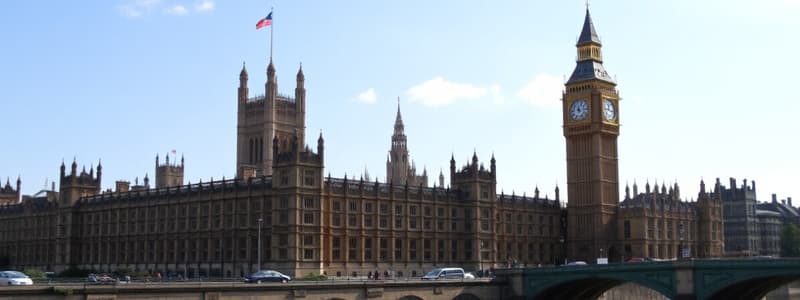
(300,98)
(493,166)
(74,167)
(321,147)
(627,192)
(99,173)
(452,167)
(272,84)
(243,90)
(63,169)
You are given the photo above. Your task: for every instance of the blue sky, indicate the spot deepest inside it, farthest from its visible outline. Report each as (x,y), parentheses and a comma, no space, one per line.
(708,88)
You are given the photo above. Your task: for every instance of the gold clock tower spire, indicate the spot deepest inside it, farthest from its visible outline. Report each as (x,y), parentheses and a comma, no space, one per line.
(591,127)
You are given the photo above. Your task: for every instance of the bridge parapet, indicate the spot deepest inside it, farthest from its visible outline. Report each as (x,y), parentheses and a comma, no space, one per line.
(690,279)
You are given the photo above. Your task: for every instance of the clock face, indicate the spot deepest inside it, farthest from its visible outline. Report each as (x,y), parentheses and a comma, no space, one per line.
(609,111)
(579,110)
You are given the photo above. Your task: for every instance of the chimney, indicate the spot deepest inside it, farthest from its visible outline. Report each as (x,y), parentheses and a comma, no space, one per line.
(774,198)
(790,201)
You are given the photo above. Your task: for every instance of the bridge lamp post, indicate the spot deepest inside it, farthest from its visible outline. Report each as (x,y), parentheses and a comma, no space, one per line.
(563,251)
(260,220)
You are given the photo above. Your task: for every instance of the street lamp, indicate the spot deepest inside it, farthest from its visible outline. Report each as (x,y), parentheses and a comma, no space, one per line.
(260,220)
(563,251)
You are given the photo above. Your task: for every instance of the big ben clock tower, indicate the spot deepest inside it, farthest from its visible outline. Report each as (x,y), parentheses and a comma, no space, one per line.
(591,128)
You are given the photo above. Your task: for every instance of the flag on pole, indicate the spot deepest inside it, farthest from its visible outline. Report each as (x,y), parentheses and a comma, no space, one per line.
(264,22)
(173,151)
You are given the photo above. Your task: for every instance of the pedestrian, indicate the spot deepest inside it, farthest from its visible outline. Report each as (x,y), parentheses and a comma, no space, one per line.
(369,275)
(377,275)
(158,276)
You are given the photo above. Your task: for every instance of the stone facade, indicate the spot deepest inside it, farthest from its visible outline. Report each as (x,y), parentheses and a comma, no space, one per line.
(658,224)
(348,226)
(8,195)
(262,118)
(599,226)
(308,224)
(169,174)
(400,169)
(739,216)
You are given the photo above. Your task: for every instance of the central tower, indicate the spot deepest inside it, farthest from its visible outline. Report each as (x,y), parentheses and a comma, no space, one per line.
(591,127)
(265,118)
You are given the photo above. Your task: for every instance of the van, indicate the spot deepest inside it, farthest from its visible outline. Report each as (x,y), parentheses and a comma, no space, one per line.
(445,273)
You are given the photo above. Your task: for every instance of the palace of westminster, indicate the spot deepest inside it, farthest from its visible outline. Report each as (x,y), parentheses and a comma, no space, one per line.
(309,223)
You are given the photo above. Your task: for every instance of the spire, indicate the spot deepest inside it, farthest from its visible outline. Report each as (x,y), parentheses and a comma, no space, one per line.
(300,75)
(398,121)
(243,74)
(588,34)
(590,56)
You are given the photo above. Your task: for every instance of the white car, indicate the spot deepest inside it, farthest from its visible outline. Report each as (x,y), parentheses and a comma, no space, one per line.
(14,278)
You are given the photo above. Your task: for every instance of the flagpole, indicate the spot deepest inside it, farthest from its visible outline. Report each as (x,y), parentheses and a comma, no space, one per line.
(270,33)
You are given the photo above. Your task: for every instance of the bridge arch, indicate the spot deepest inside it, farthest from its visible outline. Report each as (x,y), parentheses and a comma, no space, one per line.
(588,282)
(591,287)
(466,296)
(743,279)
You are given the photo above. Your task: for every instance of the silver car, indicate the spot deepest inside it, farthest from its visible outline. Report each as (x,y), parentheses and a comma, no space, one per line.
(14,278)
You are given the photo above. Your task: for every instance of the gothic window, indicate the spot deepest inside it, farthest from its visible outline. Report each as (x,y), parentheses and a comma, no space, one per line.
(352,220)
(336,219)
(426,246)
(352,253)
(308,202)
(336,253)
(412,250)
(627,229)
(368,249)
(384,246)
(398,249)
(309,178)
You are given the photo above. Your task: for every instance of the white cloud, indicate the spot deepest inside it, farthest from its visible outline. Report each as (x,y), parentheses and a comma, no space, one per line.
(497,94)
(438,92)
(177,10)
(367,96)
(205,6)
(542,90)
(138,8)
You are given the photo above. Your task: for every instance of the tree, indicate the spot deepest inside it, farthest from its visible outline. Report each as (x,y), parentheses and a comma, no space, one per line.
(790,241)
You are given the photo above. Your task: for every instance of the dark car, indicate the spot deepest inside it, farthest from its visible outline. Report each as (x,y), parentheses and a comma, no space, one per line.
(267,276)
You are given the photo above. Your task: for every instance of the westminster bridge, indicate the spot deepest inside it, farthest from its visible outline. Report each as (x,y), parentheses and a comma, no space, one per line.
(692,279)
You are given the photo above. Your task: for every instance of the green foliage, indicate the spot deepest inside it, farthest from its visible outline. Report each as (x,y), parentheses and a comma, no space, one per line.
(314,276)
(34,273)
(790,241)
(63,290)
